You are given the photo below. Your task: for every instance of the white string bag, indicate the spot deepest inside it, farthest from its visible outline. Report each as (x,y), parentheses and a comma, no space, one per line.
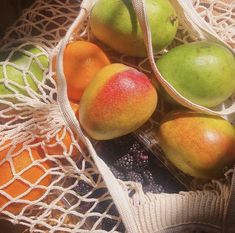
(40,117)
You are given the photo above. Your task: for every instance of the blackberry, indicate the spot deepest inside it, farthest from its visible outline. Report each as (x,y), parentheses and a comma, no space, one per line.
(135,148)
(154,188)
(93,219)
(148,177)
(113,211)
(118,174)
(160,189)
(108,224)
(85,206)
(101,206)
(141,161)
(83,188)
(121,227)
(98,193)
(125,162)
(135,176)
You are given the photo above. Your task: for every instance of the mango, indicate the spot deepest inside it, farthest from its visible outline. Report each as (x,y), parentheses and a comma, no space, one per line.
(118,100)
(200,145)
(114,22)
(203,72)
(29,59)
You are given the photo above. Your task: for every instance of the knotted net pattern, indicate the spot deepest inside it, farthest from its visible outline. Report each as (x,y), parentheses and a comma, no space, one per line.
(71,194)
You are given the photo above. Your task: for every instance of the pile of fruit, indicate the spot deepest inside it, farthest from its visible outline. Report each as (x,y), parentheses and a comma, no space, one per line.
(111,100)
(120,99)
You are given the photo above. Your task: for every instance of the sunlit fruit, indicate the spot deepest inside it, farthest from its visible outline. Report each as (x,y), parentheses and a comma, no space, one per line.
(203,72)
(24,70)
(118,101)
(200,145)
(114,22)
(29,172)
(82,60)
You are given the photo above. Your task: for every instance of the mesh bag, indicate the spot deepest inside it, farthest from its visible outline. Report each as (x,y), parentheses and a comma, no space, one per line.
(51,178)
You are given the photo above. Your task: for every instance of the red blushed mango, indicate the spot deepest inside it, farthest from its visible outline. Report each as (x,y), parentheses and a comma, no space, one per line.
(118,101)
(200,145)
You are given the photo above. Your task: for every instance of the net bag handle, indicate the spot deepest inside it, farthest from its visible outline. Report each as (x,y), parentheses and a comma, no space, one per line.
(120,198)
(132,210)
(198,24)
(140,10)
(229,216)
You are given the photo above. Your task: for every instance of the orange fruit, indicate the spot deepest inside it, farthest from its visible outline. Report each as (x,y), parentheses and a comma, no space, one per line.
(82,60)
(25,180)
(4,148)
(61,143)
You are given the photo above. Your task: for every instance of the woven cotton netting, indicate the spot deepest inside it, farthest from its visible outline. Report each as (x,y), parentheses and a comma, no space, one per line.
(48,180)
(40,158)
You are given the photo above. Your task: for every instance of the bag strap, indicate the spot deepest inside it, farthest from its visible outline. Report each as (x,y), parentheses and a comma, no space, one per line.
(140,10)
(120,198)
(229,217)
(204,29)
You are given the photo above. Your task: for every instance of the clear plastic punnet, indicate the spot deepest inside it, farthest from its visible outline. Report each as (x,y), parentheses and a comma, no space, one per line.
(51,178)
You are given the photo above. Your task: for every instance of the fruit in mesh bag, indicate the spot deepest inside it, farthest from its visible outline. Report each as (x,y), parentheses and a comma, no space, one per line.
(20,177)
(21,71)
(200,145)
(61,144)
(82,60)
(114,23)
(203,72)
(117,101)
